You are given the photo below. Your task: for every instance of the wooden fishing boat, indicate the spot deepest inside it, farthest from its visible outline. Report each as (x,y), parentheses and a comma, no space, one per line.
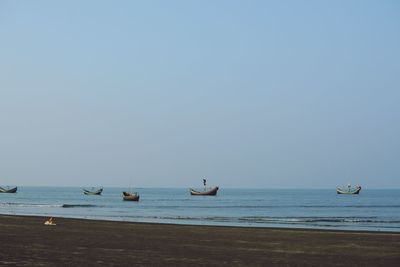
(93,191)
(210,192)
(130,196)
(349,190)
(8,190)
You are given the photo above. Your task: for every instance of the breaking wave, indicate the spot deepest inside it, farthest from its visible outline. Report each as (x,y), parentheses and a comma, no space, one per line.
(33,205)
(29,205)
(79,206)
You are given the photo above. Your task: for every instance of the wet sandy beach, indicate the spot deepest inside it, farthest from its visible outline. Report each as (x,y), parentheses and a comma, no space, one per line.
(26,241)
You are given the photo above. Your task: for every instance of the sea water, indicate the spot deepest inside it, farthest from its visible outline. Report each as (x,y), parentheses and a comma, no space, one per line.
(372,210)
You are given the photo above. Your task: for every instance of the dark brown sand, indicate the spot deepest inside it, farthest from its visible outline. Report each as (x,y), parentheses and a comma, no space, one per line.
(25,241)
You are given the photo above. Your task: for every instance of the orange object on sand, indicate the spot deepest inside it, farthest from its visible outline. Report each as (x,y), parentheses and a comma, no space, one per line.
(49,221)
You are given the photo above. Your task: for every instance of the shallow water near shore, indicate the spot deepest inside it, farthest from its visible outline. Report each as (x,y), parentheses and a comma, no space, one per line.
(372,210)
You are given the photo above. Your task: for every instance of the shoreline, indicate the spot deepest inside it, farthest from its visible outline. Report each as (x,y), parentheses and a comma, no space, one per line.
(210,225)
(86,242)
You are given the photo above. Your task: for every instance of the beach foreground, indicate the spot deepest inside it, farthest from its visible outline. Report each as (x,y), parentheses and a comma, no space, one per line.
(25,241)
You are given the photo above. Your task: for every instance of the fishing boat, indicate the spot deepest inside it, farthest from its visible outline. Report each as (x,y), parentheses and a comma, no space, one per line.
(93,191)
(211,192)
(8,189)
(206,192)
(130,196)
(349,190)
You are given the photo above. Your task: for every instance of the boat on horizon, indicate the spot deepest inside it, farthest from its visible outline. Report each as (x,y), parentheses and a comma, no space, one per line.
(130,196)
(349,190)
(93,191)
(8,189)
(207,192)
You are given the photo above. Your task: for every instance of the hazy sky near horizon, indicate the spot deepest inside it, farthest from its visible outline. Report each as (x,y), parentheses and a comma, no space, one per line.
(273,94)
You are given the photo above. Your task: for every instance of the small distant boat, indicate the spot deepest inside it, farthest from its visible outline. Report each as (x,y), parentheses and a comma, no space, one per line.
(349,190)
(8,190)
(206,192)
(130,196)
(93,191)
(211,192)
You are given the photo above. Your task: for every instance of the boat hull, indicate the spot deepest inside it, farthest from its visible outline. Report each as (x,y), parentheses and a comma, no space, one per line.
(92,193)
(10,190)
(211,192)
(130,197)
(347,192)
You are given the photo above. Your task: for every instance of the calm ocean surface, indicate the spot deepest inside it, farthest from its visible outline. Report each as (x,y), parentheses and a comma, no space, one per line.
(375,210)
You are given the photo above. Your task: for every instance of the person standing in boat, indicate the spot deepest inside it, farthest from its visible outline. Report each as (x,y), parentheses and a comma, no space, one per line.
(205,183)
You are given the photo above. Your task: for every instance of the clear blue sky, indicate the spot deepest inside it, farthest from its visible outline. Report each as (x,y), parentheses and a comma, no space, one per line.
(273,94)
